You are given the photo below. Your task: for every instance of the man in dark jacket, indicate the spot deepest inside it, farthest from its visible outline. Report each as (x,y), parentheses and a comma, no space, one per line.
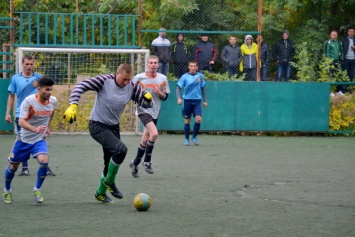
(231,56)
(180,56)
(265,56)
(349,53)
(205,53)
(161,48)
(284,52)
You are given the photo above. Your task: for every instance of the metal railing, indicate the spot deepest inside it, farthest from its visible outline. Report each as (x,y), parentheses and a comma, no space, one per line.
(37,29)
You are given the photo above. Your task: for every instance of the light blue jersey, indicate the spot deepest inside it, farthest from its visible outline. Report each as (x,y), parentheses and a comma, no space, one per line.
(192,85)
(22,87)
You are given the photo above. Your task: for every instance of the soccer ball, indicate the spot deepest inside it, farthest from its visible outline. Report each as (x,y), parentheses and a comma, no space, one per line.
(142,202)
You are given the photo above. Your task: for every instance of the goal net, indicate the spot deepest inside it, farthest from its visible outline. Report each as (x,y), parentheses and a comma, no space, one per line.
(68,66)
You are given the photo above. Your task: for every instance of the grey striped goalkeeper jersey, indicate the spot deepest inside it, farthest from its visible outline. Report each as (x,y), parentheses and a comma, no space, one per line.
(110,98)
(148,84)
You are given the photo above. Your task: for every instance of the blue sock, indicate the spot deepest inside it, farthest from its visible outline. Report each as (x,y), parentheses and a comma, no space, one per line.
(25,165)
(9,175)
(187,131)
(41,174)
(196,129)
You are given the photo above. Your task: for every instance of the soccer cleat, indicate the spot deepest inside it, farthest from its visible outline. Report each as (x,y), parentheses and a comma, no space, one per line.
(38,196)
(103,198)
(187,142)
(113,190)
(50,172)
(148,167)
(7,197)
(24,172)
(134,169)
(195,140)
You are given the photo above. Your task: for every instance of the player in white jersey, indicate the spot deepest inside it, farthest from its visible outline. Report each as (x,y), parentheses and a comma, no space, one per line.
(35,117)
(114,91)
(157,84)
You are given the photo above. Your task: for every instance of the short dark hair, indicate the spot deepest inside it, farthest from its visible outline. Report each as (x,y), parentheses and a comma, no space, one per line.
(45,81)
(350,28)
(192,61)
(28,57)
(124,67)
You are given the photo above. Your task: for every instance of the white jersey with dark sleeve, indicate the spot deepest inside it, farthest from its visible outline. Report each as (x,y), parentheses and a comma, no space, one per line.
(148,84)
(36,114)
(111,99)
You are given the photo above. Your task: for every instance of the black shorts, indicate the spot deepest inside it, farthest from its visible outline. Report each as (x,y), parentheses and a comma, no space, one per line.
(146,118)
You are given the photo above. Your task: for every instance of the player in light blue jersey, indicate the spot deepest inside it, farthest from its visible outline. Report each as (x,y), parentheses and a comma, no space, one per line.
(113,92)
(193,84)
(22,85)
(157,84)
(35,118)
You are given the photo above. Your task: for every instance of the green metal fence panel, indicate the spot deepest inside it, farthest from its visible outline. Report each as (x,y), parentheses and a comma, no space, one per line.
(4,126)
(38,29)
(256,106)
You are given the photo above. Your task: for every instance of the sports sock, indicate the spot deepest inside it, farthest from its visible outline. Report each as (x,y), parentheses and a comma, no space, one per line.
(148,152)
(140,153)
(112,172)
(187,131)
(25,165)
(41,174)
(101,189)
(9,175)
(196,129)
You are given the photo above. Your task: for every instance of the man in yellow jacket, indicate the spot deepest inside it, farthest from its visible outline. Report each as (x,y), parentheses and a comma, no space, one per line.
(250,56)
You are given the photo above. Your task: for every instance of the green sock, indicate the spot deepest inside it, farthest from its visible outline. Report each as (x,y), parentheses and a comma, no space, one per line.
(101,189)
(112,172)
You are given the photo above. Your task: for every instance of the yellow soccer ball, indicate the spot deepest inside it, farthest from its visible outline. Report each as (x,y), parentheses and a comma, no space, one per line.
(142,202)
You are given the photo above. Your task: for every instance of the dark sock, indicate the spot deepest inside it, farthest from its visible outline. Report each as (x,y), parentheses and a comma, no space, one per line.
(187,131)
(148,151)
(196,129)
(140,153)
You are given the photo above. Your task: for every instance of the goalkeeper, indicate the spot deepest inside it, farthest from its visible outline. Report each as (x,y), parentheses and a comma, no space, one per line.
(114,91)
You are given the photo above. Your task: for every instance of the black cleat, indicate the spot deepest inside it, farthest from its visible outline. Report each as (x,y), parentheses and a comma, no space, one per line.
(134,169)
(113,190)
(103,198)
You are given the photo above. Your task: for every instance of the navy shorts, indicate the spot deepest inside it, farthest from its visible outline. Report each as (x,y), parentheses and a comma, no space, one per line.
(191,107)
(22,151)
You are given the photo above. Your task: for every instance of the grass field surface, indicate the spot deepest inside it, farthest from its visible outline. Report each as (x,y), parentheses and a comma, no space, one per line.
(226,186)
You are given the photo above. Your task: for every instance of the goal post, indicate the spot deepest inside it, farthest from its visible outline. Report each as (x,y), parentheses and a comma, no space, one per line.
(68,66)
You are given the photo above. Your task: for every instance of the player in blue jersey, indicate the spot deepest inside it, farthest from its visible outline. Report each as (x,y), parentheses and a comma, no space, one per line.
(157,84)
(113,92)
(193,84)
(35,118)
(22,85)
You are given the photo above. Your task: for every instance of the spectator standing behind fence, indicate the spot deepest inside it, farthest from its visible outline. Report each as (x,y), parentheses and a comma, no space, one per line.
(161,47)
(22,85)
(284,52)
(231,56)
(249,58)
(265,56)
(349,53)
(180,56)
(205,54)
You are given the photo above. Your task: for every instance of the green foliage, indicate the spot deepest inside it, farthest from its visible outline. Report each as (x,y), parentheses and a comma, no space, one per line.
(223,77)
(342,113)
(304,66)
